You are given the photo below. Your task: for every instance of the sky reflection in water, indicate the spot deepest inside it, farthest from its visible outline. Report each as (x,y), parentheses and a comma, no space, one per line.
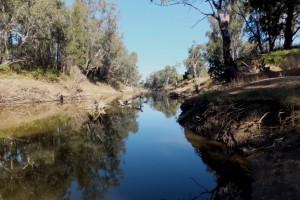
(124,155)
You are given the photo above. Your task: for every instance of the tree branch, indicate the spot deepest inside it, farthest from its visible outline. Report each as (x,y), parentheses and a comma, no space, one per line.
(172,3)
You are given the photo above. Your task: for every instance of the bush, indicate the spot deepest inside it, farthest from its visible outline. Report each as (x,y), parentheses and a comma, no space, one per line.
(4,68)
(118,85)
(180,77)
(52,75)
(285,59)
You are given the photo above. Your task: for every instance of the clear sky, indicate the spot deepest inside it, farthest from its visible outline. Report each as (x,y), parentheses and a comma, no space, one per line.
(159,35)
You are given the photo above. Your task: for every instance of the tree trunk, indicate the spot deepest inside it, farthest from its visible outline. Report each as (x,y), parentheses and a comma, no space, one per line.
(230,72)
(167,81)
(196,79)
(289,27)
(223,18)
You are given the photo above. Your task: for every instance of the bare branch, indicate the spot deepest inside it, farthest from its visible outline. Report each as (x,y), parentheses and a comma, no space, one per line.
(200,20)
(165,4)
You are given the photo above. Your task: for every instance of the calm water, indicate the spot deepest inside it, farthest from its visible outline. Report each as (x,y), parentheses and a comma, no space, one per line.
(125,154)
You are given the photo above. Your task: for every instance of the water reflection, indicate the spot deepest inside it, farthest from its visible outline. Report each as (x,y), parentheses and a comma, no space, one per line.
(232,172)
(75,154)
(163,103)
(44,166)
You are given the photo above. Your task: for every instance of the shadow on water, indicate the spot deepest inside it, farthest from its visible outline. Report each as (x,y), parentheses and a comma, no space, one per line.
(232,172)
(46,166)
(74,154)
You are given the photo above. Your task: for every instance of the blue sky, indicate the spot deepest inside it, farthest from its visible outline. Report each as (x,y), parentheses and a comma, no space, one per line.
(159,35)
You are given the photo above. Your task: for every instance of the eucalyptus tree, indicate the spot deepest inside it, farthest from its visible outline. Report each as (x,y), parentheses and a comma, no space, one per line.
(77,40)
(130,75)
(32,32)
(221,11)
(162,78)
(270,22)
(90,35)
(213,48)
(124,66)
(95,45)
(194,63)
(292,22)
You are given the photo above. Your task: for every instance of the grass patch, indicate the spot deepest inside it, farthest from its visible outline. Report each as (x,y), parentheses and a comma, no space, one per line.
(38,73)
(285,59)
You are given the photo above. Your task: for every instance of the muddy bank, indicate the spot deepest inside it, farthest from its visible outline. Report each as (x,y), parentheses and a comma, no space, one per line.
(265,131)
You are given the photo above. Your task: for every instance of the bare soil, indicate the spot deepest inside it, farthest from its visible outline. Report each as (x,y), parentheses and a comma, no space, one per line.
(20,89)
(270,83)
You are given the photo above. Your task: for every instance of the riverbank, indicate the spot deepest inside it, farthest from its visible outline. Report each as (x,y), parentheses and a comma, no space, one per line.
(260,119)
(19,89)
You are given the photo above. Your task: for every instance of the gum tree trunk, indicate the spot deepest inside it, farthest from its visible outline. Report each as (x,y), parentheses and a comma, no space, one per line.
(223,18)
(289,27)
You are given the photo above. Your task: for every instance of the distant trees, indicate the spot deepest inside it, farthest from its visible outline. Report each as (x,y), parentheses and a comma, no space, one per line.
(48,35)
(162,78)
(194,63)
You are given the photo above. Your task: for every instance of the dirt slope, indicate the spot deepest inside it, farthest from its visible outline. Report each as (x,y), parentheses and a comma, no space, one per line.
(27,90)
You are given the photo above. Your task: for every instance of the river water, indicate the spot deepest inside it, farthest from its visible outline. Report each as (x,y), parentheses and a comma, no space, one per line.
(139,153)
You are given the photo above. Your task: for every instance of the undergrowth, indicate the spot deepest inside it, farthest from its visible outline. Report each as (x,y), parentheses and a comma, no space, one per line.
(285,59)
(38,73)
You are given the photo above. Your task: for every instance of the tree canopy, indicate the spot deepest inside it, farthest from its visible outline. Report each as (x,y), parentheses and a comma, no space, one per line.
(267,25)
(48,35)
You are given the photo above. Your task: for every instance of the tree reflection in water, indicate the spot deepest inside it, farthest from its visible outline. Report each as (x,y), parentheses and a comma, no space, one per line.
(163,104)
(85,162)
(232,172)
(45,166)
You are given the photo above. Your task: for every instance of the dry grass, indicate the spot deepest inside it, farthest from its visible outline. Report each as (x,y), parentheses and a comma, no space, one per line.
(189,85)
(22,89)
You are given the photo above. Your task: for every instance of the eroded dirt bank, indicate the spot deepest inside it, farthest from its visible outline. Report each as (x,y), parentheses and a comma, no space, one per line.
(266,130)
(20,90)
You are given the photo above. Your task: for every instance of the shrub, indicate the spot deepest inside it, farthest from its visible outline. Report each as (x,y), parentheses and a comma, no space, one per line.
(117,85)
(285,59)
(4,68)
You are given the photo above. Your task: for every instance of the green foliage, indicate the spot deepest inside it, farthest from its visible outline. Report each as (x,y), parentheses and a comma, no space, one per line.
(272,24)
(50,75)
(4,68)
(180,77)
(77,35)
(280,57)
(162,78)
(194,62)
(213,53)
(17,68)
(48,34)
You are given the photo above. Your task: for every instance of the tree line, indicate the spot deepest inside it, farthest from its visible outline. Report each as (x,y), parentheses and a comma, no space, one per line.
(49,35)
(238,28)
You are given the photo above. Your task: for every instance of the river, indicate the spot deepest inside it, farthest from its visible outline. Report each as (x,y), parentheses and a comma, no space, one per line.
(142,153)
